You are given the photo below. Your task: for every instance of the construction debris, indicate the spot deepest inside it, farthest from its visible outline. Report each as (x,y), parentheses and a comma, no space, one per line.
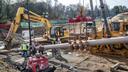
(118,67)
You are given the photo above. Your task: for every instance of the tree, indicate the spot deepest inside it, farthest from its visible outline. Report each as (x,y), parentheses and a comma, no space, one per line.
(60,10)
(119,9)
(72,10)
(3,16)
(1,8)
(97,12)
(107,10)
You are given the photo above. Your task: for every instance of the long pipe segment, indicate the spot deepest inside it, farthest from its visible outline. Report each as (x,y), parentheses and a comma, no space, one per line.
(63,45)
(114,40)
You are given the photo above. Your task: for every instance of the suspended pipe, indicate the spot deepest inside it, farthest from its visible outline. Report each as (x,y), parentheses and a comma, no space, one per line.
(104,41)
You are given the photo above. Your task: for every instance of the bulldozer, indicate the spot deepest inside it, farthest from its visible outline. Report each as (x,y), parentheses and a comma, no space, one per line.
(118,28)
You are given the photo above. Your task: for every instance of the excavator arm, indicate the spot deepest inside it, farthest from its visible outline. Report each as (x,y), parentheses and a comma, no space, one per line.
(21,15)
(33,17)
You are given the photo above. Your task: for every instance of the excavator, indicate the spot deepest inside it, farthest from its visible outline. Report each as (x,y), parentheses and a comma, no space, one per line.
(51,31)
(37,63)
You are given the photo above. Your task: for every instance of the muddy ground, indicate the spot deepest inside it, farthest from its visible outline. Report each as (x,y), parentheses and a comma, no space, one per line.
(84,62)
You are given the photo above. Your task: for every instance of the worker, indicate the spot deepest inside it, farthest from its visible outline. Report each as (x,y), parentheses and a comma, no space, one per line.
(24,48)
(45,36)
(57,34)
(103,28)
(58,41)
(75,45)
(56,52)
(49,40)
(81,46)
(39,48)
(33,48)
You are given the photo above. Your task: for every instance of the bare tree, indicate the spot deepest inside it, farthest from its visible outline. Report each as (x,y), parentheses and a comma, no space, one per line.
(8,3)
(1,4)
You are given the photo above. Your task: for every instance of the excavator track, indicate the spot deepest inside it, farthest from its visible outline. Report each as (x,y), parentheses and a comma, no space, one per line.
(116,49)
(106,52)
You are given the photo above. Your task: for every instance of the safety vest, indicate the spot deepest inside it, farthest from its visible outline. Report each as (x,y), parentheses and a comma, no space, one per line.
(24,47)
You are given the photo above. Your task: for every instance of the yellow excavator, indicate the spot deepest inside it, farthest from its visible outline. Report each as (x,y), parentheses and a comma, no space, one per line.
(51,31)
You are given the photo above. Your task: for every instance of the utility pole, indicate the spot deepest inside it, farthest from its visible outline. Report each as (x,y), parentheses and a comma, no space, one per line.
(93,16)
(105,20)
(30,39)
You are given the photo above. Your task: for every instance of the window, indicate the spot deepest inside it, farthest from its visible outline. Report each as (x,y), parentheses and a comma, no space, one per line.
(56,30)
(90,28)
(89,24)
(115,26)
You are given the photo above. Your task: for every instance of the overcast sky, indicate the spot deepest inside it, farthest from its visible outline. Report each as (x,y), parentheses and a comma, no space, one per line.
(111,3)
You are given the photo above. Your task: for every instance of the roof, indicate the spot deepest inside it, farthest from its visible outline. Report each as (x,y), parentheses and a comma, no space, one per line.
(121,16)
(80,19)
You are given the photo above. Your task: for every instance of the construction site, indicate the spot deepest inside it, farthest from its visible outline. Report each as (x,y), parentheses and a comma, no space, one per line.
(48,36)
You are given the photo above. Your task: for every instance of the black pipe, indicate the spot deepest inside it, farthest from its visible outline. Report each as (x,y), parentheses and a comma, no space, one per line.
(93,16)
(30,39)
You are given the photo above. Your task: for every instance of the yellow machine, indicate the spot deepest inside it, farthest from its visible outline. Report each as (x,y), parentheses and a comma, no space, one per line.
(52,31)
(117,28)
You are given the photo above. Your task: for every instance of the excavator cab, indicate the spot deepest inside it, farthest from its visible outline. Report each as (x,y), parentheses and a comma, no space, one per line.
(56,31)
(115,26)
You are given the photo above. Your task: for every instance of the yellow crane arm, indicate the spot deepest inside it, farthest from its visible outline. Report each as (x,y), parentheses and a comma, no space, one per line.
(38,19)
(21,15)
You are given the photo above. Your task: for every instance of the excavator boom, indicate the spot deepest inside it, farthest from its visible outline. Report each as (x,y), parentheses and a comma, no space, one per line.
(21,15)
